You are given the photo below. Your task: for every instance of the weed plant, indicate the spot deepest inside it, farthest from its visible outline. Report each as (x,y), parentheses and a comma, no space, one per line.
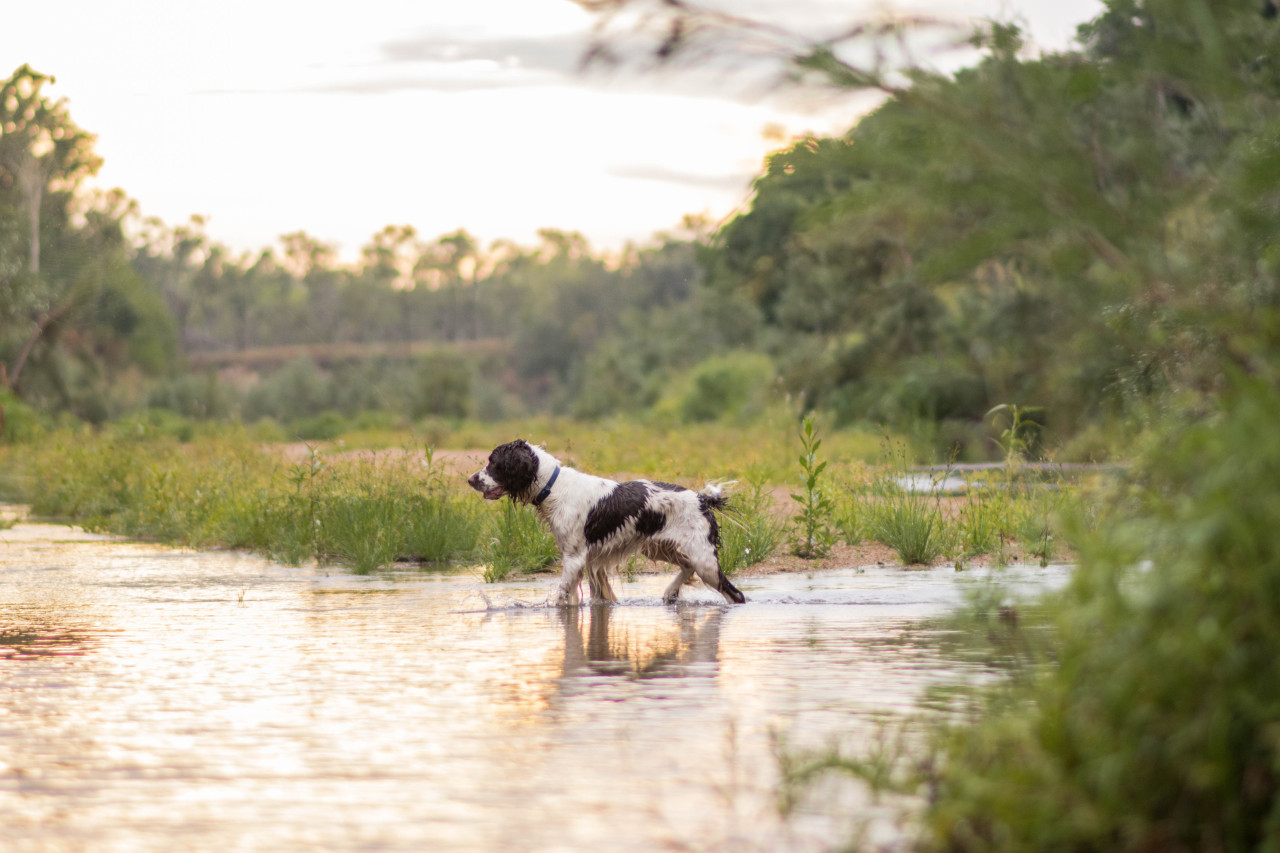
(814,532)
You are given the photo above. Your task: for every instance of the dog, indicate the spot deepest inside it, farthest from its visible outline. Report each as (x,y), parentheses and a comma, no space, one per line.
(598,523)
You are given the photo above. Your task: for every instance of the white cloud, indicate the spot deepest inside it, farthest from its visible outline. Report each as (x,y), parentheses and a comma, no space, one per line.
(341,118)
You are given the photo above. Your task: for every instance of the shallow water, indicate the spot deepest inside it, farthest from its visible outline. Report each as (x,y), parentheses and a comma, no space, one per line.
(160,700)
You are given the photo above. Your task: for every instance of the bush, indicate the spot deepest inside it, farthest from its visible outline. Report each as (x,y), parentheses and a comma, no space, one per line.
(322,427)
(297,390)
(1155,725)
(444,386)
(18,421)
(193,395)
(734,386)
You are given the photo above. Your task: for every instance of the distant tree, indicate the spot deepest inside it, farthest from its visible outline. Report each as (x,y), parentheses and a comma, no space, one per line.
(41,149)
(40,146)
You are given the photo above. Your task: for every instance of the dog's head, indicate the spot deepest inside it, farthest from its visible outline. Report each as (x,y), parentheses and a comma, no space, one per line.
(512,470)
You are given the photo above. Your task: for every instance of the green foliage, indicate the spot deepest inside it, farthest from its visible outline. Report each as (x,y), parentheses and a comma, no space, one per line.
(193,395)
(751,531)
(813,533)
(20,422)
(444,388)
(1153,723)
(1018,436)
(515,541)
(733,386)
(366,512)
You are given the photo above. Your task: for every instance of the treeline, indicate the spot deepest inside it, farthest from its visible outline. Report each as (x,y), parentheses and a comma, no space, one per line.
(1093,233)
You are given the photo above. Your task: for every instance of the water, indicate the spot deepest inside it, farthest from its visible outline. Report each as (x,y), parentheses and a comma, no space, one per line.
(160,700)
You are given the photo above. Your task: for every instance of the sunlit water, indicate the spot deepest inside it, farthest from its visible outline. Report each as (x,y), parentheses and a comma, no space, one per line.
(161,700)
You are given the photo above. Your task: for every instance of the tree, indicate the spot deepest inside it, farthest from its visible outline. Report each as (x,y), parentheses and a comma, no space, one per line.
(41,149)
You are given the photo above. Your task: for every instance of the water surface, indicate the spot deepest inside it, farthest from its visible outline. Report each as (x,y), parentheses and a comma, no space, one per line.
(162,700)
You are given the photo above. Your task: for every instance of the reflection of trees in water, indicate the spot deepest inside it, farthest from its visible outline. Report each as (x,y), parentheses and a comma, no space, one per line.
(691,638)
(28,639)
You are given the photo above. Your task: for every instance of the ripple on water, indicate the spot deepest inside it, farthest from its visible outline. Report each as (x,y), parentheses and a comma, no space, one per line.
(159,700)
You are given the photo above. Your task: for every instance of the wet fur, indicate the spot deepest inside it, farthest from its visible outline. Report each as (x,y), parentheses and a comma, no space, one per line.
(599,523)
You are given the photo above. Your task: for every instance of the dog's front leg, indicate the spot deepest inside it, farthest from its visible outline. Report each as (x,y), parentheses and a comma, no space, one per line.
(566,593)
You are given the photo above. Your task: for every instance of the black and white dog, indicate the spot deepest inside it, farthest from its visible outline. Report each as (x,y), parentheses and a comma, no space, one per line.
(598,523)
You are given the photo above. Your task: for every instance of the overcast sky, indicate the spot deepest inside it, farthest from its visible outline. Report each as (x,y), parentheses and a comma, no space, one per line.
(270,116)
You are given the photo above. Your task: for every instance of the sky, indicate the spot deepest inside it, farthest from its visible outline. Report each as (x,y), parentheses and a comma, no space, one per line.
(274,116)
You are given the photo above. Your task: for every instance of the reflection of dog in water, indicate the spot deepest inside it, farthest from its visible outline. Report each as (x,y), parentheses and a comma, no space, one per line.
(619,654)
(598,523)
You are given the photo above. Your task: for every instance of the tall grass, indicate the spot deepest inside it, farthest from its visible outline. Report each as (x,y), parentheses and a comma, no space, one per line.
(516,542)
(912,525)
(751,531)
(654,449)
(364,512)
(907,519)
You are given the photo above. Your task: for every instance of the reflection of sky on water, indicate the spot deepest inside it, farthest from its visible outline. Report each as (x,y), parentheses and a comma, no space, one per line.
(160,700)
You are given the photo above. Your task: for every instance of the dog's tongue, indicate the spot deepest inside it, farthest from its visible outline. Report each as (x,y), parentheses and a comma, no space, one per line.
(494,495)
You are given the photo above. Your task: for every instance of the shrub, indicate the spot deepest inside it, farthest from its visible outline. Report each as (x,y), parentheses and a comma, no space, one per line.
(444,386)
(18,421)
(731,386)
(1154,724)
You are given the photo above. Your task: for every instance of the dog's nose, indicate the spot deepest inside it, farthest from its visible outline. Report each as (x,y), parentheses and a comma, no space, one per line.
(474,480)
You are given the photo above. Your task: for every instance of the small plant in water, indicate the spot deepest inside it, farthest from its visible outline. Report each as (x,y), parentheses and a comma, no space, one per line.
(814,532)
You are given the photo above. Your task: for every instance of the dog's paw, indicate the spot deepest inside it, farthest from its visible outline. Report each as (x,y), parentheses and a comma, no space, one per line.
(561,597)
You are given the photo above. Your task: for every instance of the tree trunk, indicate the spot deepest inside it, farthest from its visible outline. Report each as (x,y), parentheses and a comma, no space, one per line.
(31,176)
(43,323)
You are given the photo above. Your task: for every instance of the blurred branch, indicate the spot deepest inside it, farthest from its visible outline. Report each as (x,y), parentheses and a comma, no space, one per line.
(874,54)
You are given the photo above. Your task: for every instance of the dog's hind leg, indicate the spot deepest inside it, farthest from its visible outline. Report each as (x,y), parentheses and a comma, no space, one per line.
(706,562)
(710,573)
(598,580)
(667,552)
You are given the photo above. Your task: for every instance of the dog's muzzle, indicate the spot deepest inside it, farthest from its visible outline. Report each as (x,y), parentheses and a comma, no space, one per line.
(491,490)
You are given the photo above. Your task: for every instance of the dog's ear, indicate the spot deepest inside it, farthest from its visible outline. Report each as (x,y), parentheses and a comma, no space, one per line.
(514,466)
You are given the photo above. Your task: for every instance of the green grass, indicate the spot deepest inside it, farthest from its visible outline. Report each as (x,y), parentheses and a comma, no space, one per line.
(751,531)
(224,488)
(227,491)
(912,525)
(516,542)
(692,453)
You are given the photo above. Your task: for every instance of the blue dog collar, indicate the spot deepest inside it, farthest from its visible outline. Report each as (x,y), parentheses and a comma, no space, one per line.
(546,490)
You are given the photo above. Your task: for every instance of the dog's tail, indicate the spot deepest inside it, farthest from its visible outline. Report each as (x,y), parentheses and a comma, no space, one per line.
(715,496)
